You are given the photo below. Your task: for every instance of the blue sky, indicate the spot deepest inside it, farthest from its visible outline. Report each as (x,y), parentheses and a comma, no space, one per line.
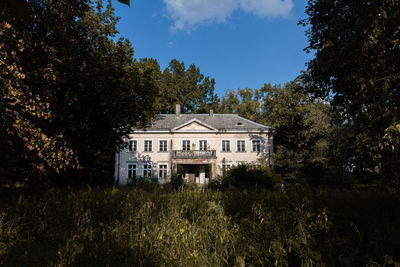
(239,43)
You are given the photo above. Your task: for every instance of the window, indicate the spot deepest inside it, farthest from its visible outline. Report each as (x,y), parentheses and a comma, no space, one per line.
(131,170)
(162,171)
(226,167)
(186,145)
(147,169)
(148,145)
(241,146)
(203,145)
(163,146)
(226,145)
(132,145)
(256,145)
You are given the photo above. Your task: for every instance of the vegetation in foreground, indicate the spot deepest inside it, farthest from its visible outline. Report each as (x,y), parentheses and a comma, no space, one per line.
(146,225)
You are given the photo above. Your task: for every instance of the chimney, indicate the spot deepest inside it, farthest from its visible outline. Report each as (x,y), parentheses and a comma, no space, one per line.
(211,112)
(178,110)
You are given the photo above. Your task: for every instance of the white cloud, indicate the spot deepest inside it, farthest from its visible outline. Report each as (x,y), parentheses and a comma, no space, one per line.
(268,8)
(186,14)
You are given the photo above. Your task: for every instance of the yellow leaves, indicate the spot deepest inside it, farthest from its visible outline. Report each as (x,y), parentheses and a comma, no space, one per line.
(20,45)
(52,150)
(22,104)
(114,191)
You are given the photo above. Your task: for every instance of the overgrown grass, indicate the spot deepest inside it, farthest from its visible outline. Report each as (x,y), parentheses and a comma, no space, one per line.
(147,225)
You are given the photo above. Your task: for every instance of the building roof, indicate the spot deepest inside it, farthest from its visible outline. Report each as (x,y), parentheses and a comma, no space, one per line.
(216,122)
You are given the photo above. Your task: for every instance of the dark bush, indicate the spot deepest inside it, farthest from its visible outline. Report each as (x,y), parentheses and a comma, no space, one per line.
(176,180)
(248,176)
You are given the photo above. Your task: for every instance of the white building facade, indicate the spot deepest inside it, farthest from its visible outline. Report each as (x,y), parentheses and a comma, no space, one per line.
(197,147)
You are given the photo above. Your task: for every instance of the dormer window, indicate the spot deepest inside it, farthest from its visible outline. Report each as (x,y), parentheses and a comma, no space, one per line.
(239,124)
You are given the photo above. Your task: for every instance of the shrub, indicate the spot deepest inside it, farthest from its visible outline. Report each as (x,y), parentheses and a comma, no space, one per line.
(176,180)
(248,176)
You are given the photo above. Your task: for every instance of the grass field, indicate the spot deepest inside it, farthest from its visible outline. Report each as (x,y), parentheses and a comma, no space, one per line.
(147,225)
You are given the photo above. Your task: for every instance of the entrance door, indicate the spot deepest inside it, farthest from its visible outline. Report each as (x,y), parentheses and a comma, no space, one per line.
(192,174)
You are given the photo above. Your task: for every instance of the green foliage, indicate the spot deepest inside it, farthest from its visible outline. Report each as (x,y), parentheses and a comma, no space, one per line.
(309,141)
(69,93)
(303,131)
(188,87)
(146,225)
(176,180)
(243,102)
(357,47)
(248,176)
(141,226)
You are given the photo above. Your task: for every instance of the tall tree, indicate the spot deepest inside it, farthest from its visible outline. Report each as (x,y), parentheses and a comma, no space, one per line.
(243,102)
(302,130)
(188,87)
(357,48)
(77,88)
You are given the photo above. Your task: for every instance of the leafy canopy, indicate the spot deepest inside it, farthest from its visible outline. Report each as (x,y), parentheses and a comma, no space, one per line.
(357,50)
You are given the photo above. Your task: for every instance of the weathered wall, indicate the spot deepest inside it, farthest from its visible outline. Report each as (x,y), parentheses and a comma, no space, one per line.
(174,141)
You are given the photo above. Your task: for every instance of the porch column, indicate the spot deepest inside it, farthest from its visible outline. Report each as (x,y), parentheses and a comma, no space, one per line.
(213,170)
(174,168)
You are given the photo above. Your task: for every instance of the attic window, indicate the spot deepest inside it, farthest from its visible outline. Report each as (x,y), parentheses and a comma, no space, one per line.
(239,124)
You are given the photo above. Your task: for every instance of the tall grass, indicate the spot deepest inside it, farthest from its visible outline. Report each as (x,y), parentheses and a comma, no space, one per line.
(150,226)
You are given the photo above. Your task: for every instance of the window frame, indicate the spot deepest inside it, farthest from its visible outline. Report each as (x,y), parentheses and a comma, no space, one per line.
(244,145)
(158,169)
(224,141)
(186,147)
(147,169)
(225,167)
(206,143)
(128,164)
(131,147)
(151,145)
(259,147)
(166,145)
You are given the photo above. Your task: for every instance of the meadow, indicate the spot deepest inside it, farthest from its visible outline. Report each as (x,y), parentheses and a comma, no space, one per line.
(149,225)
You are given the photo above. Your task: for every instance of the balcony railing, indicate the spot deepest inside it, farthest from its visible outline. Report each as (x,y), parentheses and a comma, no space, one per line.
(193,154)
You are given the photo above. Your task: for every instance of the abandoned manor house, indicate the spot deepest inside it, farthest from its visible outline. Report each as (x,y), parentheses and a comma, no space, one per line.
(196,147)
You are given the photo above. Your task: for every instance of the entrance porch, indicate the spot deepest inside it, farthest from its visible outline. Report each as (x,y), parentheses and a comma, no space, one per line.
(194,166)
(195,173)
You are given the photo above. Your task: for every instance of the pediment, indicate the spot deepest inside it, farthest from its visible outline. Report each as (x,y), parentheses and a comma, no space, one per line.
(194,126)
